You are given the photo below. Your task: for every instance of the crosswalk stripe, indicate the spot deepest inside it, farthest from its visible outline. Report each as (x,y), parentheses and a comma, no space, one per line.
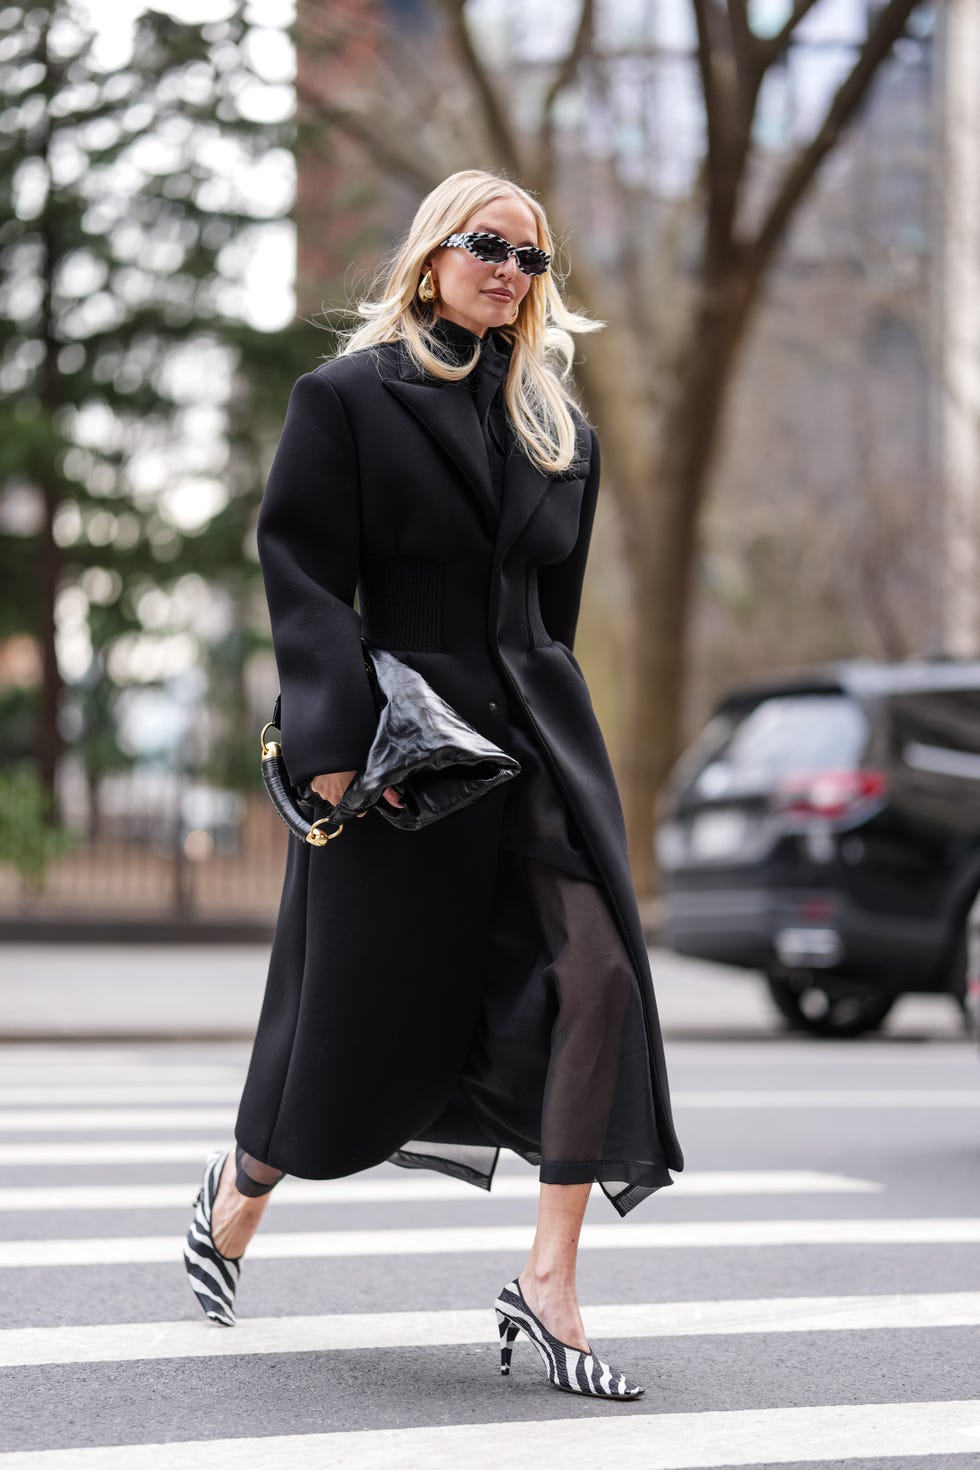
(386,1189)
(831,1098)
(116,1120)
(349,1332)
(200,1089)
(129,1074)
(203,1088)
(190,1118)
(684,1235)
(110,1151)
(55,1057)
(707,1441)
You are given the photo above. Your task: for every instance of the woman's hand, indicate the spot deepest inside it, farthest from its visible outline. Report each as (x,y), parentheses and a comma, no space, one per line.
(332,786)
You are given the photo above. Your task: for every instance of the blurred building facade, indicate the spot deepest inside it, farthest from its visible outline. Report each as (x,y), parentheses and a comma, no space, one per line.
(958,290)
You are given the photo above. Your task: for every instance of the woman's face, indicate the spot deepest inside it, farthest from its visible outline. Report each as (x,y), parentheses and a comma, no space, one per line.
(473,292)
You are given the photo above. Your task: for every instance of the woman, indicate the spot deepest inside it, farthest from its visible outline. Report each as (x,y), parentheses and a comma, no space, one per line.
(482,983)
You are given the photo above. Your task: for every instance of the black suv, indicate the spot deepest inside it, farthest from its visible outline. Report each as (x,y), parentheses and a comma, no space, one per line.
(825,829)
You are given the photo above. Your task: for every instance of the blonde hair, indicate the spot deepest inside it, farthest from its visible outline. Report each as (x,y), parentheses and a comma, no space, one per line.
(534,389)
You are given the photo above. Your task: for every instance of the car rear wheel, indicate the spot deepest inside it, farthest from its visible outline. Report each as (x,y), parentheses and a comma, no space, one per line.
(826,1006)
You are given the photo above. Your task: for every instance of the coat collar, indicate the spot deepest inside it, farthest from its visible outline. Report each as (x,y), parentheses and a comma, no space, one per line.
(447,410)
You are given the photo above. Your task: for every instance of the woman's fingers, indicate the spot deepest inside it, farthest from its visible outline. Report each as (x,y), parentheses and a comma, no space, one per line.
(332,786)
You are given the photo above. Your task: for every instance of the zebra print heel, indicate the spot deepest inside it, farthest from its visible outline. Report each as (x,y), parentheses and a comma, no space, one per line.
(508,1332)
(568,1368)
(213,1277)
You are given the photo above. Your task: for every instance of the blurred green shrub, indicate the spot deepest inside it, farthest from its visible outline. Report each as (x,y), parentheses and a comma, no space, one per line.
(28,839)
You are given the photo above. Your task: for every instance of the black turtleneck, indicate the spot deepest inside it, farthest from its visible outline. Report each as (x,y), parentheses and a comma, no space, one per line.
(536,819)
(485,382)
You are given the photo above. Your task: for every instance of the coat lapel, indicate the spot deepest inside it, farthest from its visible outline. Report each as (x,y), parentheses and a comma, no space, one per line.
(524,488)
(446,410)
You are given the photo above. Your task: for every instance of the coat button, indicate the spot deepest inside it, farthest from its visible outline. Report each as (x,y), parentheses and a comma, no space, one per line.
(493,704)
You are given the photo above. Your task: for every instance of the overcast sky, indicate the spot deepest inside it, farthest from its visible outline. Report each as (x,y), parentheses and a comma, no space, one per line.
(113,19)
(270,273)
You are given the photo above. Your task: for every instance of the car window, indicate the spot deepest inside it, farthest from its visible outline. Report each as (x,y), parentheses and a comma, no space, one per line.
(752,749)
(939,731)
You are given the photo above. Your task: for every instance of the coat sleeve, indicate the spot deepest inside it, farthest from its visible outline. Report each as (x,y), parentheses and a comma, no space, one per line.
(309,544)
(560,585)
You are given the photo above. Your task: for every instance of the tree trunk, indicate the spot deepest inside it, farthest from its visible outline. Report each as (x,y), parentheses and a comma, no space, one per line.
(661,554)
(49,553)
(49,576)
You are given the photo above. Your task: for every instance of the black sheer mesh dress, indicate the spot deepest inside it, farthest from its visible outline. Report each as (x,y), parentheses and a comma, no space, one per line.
(559,1069)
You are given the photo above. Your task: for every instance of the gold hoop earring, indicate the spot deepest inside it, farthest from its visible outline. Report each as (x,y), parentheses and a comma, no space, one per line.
(427,289)
(512,319)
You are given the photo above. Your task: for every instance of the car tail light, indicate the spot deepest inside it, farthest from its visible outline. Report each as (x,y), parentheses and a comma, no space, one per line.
(973,1003)
(830,795)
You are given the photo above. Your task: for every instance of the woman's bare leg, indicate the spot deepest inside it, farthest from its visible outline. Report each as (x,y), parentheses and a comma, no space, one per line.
(235,1217)
(548,1279)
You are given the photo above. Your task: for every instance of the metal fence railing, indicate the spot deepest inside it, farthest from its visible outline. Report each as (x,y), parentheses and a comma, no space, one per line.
(174,850)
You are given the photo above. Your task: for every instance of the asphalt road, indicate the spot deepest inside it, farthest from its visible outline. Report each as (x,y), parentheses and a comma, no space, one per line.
(807,1293)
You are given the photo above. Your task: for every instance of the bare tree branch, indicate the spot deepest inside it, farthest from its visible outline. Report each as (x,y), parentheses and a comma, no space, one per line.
(580,48)
(500,132)
(743,40)
(708,46)
(581,45)
(410,111)
(402,164)
(730,81)
(887,28)
(706,18)
(771,49)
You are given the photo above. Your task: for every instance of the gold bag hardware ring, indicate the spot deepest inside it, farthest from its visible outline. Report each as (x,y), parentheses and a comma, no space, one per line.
(316,837)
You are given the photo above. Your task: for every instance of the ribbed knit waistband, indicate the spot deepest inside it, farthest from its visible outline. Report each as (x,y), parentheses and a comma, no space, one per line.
(413,603)
(403,603)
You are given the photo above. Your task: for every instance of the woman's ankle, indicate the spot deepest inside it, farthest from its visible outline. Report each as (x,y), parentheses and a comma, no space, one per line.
(253,1178)
(235,1217)
(553,1276)
(553,1297)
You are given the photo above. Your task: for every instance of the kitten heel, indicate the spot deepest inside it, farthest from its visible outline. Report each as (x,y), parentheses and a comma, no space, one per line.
(508,1332)
(568,1368)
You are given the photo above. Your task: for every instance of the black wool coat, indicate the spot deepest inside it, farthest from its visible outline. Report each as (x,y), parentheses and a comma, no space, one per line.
(380,519)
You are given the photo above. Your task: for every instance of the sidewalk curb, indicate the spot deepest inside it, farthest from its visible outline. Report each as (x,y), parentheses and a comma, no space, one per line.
(135,931)
(48,1019)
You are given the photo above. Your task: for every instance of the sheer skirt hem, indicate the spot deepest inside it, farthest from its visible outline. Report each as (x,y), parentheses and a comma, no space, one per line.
(559,1069)
(456,1168)
(625,1183)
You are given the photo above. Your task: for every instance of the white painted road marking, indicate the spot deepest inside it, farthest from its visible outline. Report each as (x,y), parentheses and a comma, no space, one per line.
(629,1435)
(15,1075)
(831,1098)
(684,1235)
(98,1093)
(54,1057)
(386,1189)
(116,1120)
(194,1119)
(110,1151)
(204,1090)
(350,1332)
